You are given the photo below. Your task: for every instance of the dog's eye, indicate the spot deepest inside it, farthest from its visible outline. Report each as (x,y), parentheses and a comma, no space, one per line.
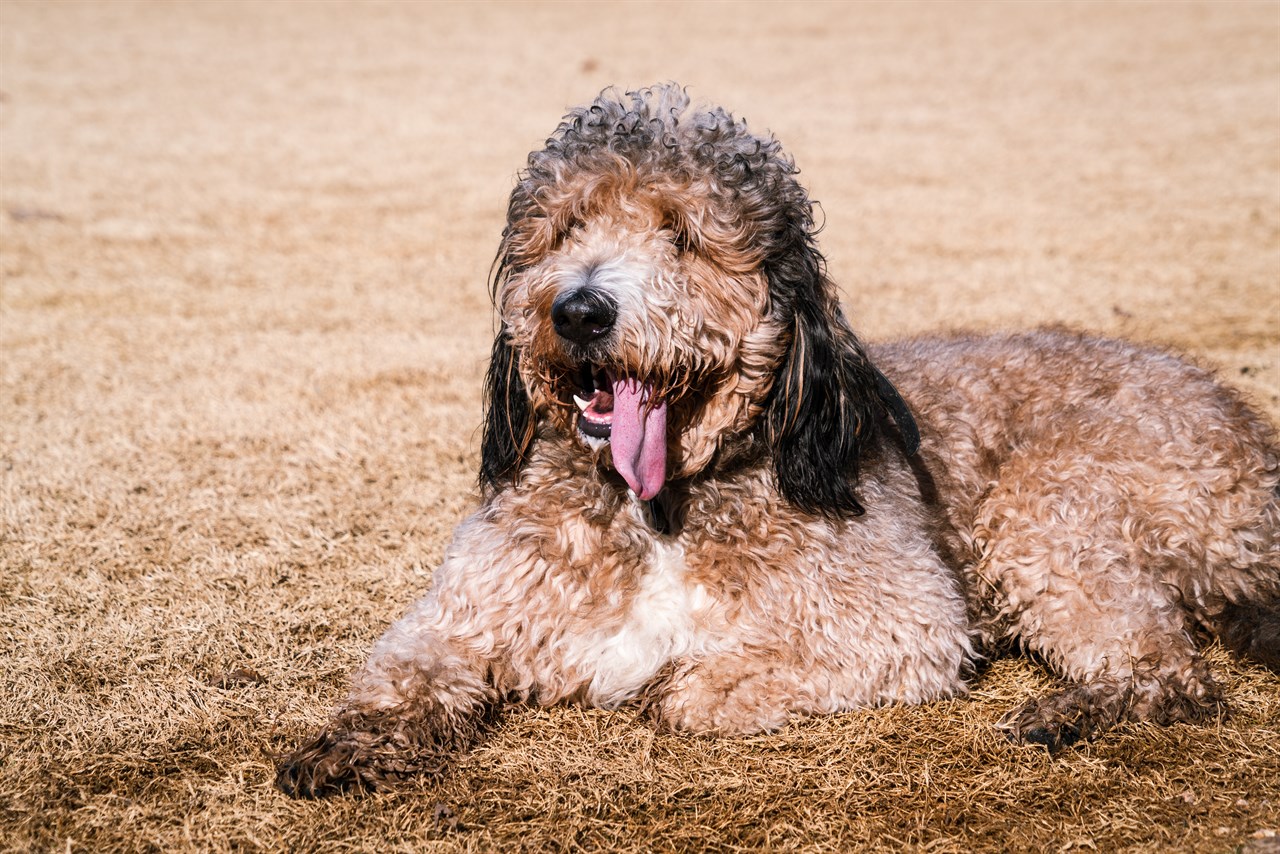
(562,229)
(680,240)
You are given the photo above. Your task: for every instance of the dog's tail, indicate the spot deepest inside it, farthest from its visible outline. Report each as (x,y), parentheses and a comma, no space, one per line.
(1252,630)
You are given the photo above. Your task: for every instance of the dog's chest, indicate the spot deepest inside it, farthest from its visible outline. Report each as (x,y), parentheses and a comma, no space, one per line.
(659,622)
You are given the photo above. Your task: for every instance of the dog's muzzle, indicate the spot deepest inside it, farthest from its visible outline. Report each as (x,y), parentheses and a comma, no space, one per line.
(613,406)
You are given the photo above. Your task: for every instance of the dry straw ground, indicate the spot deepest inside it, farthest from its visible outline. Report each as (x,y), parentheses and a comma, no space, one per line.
(244,313)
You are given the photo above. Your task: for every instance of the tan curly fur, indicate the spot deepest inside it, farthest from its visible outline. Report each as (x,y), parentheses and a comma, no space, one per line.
(1096,502)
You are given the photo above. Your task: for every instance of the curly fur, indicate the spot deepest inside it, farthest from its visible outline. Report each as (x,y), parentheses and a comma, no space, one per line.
(1092,500)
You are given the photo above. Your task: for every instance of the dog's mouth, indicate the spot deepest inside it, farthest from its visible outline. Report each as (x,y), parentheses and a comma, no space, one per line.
(617,409)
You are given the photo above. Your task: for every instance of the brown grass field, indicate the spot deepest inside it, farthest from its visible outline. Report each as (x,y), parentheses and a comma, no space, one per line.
(244,321)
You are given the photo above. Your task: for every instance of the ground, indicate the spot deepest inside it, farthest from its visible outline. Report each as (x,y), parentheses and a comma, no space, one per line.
(244,320)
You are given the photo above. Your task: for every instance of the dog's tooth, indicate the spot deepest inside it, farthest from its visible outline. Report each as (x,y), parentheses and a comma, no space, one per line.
(582,404)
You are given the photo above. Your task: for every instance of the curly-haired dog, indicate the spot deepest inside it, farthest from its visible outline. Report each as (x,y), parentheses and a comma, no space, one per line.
(700,490)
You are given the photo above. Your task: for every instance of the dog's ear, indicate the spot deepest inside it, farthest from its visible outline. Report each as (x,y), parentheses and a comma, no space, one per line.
(823,412)
(508,418)
(508,412)
(828,401)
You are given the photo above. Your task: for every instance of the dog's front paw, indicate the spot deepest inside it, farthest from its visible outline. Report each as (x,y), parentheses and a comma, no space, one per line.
(330,763)
(728,695)
(373,751)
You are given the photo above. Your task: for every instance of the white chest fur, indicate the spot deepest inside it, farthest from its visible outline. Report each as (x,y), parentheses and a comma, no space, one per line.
(659,624)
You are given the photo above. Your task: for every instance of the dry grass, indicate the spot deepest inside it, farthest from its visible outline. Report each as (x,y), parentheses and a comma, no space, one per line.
(243,327)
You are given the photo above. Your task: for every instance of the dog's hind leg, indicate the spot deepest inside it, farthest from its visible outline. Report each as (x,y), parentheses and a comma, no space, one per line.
(1243,606)
(1083,586)
(415,705)
(1253,631)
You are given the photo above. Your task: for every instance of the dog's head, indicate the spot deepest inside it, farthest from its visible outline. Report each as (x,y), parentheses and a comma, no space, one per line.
(660,295)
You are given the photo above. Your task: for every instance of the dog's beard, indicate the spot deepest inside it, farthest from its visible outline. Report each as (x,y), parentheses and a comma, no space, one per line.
(623,411)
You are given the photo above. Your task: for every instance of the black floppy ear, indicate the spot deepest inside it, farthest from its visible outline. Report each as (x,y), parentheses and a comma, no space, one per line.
(828,401)
(508,418)
(823,411)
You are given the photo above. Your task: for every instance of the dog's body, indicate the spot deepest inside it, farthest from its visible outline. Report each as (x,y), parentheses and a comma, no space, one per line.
(678,417)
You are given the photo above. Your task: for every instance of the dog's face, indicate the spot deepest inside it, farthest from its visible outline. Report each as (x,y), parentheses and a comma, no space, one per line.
(638,328)
(659,294)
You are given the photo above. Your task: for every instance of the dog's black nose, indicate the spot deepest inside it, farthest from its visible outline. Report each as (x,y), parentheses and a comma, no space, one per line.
(583,315)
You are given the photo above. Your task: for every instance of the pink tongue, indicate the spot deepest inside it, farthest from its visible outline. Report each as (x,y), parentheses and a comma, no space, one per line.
(638,438)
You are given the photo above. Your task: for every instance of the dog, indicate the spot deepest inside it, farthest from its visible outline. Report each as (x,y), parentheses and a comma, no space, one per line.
(702,493)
